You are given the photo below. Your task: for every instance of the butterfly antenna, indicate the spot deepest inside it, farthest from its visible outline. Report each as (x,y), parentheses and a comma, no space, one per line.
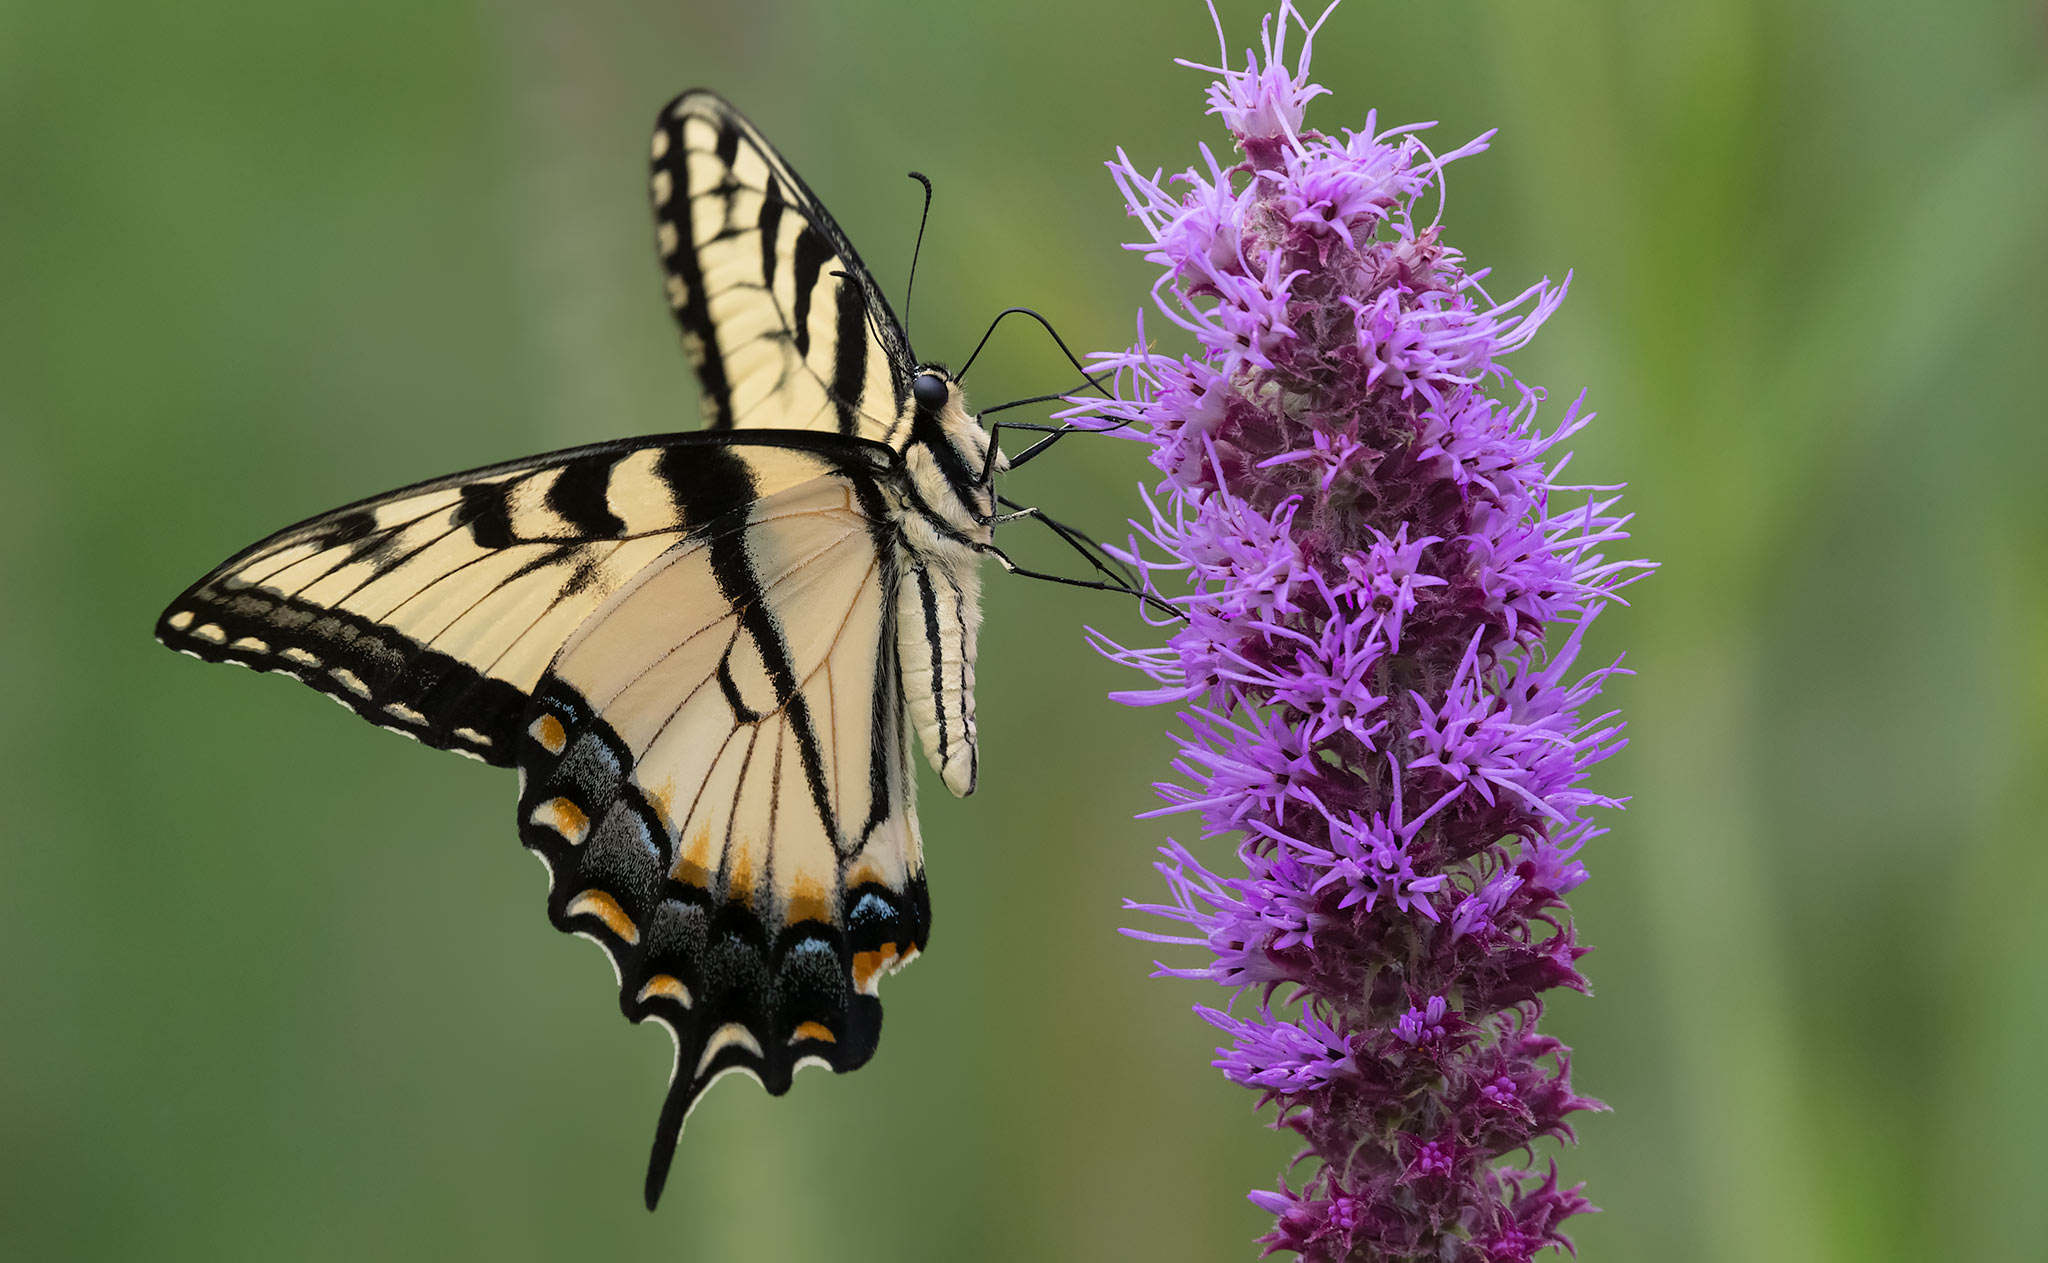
(961,376)
(910,285)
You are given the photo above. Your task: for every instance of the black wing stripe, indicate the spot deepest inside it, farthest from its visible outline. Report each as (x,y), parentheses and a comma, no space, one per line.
(812,253)
(742,712)
(849,373)
(706,487)
(581,496)
(769,224)
(486,509)
(728,139)
(347,528)
(929,599)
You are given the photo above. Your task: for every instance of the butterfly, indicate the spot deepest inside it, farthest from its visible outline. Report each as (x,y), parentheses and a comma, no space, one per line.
(706,653)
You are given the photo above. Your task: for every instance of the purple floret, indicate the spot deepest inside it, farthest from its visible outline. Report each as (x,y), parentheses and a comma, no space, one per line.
(1386,582)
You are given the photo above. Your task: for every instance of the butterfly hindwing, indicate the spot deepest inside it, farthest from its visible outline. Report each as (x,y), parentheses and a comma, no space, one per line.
(715,770)
(785,326)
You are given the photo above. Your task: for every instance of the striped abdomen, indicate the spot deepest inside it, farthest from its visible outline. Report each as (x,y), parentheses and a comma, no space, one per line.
(938,615)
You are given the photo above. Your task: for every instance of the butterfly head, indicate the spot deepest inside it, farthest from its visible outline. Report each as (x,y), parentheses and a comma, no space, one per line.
(933,388)
(949,455)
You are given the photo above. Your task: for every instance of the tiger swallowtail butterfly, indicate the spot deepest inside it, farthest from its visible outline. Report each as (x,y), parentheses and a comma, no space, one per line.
(705,652)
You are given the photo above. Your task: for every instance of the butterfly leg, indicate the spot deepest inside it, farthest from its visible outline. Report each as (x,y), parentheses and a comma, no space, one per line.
(1075,539)
(1011,567)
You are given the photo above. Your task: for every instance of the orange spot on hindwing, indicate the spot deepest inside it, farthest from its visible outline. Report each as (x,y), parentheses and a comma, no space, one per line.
(549,732)
(663,801)
(693,866)
(668,988)
(739,886)
(598,904)
(564,817)
(868,967)
(813,1030)
(807,900)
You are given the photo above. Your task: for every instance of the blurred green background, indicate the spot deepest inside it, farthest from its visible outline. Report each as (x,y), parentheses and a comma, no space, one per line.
(276,984)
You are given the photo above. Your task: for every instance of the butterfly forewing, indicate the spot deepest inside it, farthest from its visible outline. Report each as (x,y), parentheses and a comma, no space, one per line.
(785,326)
(432,610)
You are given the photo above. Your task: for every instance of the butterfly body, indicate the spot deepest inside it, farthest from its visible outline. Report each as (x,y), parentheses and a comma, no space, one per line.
(705,653)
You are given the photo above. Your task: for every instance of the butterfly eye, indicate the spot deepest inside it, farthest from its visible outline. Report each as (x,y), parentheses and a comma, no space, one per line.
(930,391)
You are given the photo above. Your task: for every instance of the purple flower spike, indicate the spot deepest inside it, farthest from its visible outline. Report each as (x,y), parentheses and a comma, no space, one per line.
(1385,584)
